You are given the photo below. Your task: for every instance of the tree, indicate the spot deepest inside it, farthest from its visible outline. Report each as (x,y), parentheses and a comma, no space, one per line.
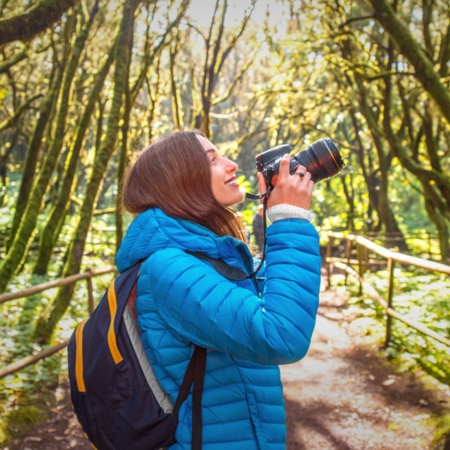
(400,131)
(425,72)
(218,46)
(24,26)
(35,143)
(46,324)
(390,99)
(29,220)
(411,125)
(58,212)
(152,47)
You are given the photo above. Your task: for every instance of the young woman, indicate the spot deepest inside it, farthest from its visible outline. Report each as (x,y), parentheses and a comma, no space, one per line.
(181,189)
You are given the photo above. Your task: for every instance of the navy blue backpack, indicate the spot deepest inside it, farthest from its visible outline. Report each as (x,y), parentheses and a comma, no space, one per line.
(115,395)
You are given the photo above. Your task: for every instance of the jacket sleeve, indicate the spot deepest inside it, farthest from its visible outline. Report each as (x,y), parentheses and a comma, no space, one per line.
(207,309)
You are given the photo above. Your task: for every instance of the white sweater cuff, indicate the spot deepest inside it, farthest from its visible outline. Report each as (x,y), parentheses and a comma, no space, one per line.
(286,211)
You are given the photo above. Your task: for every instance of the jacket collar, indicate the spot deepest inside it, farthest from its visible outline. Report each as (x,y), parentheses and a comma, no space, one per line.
(153,230)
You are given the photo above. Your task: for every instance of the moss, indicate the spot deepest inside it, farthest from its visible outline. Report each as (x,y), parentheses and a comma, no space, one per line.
(441,440)
(20,420)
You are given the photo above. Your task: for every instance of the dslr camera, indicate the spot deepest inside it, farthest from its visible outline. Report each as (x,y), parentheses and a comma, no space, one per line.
(321,159)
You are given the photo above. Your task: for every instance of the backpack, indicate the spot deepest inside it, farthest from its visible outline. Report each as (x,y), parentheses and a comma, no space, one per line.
(115,395)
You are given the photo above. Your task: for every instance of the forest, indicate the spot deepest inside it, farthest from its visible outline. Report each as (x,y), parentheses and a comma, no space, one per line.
(86,84)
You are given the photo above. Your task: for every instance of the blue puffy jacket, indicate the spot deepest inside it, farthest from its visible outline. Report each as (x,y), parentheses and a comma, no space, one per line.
(184,300)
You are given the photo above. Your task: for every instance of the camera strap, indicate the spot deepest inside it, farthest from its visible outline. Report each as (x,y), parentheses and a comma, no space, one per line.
(266,198)
(254,196)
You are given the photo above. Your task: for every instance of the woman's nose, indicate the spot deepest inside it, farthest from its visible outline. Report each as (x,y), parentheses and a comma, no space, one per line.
(231,166)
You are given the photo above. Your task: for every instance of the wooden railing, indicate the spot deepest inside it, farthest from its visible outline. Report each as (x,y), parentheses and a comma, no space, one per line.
(363,246)
(87,275)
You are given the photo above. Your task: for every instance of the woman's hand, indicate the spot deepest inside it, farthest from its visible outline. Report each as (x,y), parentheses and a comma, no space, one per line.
(291,189)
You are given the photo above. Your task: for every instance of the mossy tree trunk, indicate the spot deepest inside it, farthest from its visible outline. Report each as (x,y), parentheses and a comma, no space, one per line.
(394,235)
(404,140)
(57,214)
(369,105)
(150,51)
(34,145)
(39,17)
(440,222)
(424,68)
(30,217)
(11,123)
(47,323)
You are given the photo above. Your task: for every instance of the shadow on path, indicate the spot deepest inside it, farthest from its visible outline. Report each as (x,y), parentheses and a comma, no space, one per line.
(345,396)
(342,396)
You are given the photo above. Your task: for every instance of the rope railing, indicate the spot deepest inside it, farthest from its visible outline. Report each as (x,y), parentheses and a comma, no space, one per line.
(392,257)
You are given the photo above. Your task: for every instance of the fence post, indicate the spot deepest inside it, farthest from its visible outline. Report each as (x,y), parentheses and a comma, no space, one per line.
(90,291)
(327,261)
(390,292)
(359,250)
(430,246)
(348,253)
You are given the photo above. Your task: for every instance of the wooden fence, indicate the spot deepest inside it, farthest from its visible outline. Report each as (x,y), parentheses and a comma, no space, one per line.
(88,275)
(363,247)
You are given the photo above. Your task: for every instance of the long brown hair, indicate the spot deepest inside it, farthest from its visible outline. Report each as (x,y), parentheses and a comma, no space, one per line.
(174,174)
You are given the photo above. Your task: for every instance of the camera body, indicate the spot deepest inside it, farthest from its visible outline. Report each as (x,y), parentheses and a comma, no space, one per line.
(321,159)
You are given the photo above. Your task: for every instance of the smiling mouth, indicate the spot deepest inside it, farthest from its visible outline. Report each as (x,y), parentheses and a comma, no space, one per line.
(231,182)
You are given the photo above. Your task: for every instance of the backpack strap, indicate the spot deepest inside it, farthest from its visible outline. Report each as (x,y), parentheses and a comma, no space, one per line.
(230,272)
(195,375)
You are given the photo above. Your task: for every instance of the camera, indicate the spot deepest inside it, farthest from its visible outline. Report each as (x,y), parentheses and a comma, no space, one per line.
(321,159)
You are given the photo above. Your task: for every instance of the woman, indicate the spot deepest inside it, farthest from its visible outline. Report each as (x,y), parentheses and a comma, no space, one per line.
(182,188)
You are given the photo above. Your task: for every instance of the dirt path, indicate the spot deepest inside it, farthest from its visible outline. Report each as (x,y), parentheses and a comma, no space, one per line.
(342,396)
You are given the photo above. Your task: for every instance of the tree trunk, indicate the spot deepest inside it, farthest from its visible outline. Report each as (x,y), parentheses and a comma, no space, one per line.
(435,183)
(381,189)
(408,46)
(39,17)
(175,95)
(150,52)
(30,217)
(123,153)
(46,324)
(53,224)
(34,145)
(441,225)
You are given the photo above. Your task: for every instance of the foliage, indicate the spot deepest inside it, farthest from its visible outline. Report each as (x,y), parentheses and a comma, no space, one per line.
(420,297)
(251,76)
(23,394)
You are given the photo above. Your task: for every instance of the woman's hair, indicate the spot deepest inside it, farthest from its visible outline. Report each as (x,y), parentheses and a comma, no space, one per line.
(174,174)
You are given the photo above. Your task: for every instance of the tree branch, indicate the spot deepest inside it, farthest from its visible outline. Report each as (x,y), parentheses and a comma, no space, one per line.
(26,25)
(410,48)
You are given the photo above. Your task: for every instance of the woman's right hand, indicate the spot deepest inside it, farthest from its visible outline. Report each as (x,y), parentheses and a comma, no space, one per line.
(290,189)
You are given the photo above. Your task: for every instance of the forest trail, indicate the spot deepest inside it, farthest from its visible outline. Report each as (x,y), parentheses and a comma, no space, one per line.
(345,396)
(342,396)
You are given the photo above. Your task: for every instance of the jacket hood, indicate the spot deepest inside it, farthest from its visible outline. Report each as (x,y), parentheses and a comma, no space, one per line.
(153,230)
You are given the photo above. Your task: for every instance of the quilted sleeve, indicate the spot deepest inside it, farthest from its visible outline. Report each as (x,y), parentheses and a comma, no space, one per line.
(211,311)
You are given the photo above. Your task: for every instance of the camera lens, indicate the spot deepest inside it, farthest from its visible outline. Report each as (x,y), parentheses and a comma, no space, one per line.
(321,159)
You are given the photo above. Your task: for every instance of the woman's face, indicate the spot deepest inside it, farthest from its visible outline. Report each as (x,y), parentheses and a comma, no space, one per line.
(224,187)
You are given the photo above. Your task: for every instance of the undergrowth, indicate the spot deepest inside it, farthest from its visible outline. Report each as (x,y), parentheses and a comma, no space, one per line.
(423,298)
(27,396)
(417,296)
